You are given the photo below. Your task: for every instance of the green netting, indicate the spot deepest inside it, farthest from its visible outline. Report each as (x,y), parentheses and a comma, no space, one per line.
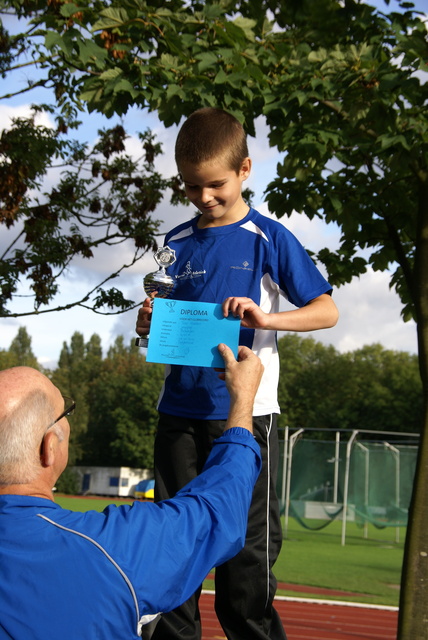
(380,482)
(310,524)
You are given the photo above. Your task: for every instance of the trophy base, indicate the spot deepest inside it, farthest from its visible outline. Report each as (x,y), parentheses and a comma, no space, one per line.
(141,342)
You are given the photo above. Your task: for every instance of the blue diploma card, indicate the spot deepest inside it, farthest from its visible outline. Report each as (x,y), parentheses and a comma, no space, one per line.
(189,333)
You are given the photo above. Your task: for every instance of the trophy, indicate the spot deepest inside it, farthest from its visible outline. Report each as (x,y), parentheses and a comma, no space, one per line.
(158,281)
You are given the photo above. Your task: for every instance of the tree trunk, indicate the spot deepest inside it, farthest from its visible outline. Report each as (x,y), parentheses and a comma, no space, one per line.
(413,615)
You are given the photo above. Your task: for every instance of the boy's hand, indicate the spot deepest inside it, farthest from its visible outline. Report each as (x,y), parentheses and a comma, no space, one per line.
(144,318)
(247,310)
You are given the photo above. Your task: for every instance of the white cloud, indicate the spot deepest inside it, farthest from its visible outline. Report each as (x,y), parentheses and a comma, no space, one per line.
(370,312)
(10,112)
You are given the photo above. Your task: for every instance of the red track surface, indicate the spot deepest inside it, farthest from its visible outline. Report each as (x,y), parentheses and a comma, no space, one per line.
(315,620)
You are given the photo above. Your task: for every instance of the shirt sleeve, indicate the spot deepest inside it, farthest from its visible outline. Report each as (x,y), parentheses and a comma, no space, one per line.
(294,271)
(167,548)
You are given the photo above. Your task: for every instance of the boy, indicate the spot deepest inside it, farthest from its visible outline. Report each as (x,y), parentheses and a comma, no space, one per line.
(231,254)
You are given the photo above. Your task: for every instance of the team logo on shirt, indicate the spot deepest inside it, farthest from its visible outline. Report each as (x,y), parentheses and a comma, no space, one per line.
(245,266)
(188,273)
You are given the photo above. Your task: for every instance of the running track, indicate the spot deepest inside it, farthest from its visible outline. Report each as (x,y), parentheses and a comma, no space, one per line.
(306,619)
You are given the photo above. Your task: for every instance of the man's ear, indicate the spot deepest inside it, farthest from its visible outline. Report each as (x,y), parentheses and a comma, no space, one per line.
(48,449)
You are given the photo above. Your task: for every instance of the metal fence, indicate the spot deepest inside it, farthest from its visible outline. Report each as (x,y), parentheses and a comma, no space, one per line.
(361,476)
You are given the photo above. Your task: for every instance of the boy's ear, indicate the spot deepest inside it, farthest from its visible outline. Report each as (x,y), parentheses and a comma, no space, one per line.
(245,168)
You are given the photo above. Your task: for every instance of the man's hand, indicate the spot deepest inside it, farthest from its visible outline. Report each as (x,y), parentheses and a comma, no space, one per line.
(242,379)
(144,318)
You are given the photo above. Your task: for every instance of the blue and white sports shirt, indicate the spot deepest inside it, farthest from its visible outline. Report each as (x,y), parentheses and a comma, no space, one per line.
(257,258)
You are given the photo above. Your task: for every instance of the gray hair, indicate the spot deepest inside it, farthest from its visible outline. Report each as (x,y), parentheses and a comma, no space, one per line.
(21,435)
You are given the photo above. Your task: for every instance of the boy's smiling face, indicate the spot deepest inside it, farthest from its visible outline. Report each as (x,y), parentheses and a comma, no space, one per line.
(215,190)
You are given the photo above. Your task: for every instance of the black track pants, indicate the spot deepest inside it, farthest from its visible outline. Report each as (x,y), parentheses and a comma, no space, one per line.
(245,585)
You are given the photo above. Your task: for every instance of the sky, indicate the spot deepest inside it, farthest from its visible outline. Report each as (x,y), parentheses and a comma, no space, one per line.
(369,309)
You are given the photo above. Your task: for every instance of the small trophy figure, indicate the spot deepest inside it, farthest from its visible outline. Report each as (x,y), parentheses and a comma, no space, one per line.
(158,281)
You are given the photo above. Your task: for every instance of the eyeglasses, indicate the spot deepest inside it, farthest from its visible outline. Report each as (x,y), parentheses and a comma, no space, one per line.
(70,406)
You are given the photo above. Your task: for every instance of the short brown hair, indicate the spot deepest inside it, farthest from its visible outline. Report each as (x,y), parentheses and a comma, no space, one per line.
(208,134)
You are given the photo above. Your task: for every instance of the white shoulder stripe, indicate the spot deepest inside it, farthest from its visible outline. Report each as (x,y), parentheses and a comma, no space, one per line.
(250,226)
(183,234)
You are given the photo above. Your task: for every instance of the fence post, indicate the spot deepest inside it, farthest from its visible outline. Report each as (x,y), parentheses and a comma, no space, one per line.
(345,489)
(396,454)
(291,444)
(284,468)
(336,467)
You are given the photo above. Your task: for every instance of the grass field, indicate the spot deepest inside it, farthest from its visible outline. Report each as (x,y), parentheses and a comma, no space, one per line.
(368,567)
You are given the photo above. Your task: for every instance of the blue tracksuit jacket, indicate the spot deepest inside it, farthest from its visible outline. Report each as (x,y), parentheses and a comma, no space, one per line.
(66,575)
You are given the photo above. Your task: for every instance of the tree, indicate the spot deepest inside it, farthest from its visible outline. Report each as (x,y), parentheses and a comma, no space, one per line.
(20,353)
(164,56)
(303,400)
(339,84)
(348,107)
(70,378)
(103,198)
(368,389)
(71,51)
(122,409)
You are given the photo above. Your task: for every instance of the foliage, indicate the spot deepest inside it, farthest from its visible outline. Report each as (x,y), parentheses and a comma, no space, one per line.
(371,388)
(20,353)
(345,102)
(337,83)
(103,198)
(122,415)
(162,56)
(68,482)
(350,112)
(79,364)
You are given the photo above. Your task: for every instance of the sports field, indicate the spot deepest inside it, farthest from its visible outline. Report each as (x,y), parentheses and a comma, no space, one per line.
(364,570)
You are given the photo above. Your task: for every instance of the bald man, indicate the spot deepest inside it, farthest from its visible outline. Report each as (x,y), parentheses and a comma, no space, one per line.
(74,576)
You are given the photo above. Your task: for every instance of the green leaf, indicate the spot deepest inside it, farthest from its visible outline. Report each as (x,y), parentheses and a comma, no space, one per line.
(221,77)
(300,96)
(390,141)
(206,61)
(55,41)
(247,27)
(52,40)
(90,51)
(69,9)
(111,74)
(125,86)
(174,90)
(113,17)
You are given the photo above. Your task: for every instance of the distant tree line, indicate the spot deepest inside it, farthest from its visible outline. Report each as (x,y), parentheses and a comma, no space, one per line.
(116,394)
(320,388)
(370,388)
